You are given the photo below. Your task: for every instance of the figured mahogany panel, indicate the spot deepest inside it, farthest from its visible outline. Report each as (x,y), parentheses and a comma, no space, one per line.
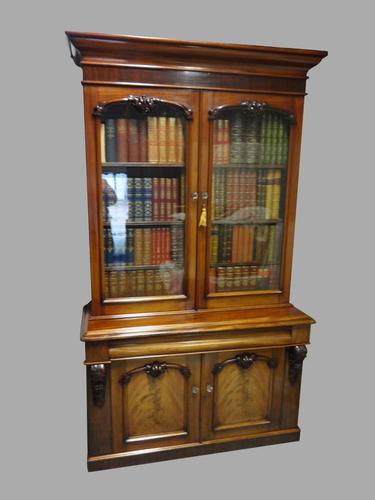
(241,392)
(154,402)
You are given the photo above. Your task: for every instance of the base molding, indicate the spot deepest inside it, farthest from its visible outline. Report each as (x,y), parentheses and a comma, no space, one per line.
(110,461)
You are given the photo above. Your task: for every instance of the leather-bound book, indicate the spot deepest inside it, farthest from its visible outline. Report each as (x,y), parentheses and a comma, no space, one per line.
(142,141)
(133,140)
(121,140)
(110,140)
(152,139)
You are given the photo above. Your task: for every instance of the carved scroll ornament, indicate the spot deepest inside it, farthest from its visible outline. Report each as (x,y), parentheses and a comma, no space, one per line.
(244,360)
(253,108)
(155,370)
(143,104)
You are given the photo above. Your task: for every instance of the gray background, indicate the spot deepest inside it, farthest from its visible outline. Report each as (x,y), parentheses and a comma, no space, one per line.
(44,246)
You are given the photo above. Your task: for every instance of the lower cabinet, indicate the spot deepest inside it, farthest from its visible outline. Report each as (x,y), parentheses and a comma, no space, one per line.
(176,400)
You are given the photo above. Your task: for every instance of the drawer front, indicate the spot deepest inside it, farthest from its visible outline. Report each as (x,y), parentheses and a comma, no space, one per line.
(155,402)
(241,392)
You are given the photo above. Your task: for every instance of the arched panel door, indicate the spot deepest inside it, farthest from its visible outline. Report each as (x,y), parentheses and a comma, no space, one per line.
(146,157)
(250,158)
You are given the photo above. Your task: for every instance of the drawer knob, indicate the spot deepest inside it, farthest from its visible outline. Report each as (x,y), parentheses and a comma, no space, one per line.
(209,388)
(195,389)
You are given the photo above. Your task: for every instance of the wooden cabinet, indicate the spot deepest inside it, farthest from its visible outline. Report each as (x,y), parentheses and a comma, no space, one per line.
(192,155)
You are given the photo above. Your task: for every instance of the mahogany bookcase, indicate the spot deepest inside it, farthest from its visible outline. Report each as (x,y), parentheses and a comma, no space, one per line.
(193,152)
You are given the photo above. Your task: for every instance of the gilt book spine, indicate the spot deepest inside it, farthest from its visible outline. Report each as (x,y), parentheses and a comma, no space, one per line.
(152,142)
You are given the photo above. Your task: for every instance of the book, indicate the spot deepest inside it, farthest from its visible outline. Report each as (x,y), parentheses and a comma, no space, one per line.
(110,140)
(142,140)
(162,199)
(121,140)
(226,142)
(155,199)
(130,246)
(152,142)
(180,146)
(133,140)
(102,143)
(147,246)
(171,139)
(138,199)
(162,138)
(147,198)
(131,198)
(138,246)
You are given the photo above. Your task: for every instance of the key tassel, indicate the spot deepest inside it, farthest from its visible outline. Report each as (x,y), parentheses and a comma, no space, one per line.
(203,218)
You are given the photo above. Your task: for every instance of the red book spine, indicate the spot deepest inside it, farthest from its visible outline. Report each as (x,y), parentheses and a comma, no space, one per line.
(168,245)
(153,246)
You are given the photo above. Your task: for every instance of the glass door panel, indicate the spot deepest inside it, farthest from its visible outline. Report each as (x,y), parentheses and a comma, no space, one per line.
(143,162)
(249,165)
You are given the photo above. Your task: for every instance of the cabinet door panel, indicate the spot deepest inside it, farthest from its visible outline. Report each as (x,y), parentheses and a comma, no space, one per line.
(241,392)
(249,165)
(153,402)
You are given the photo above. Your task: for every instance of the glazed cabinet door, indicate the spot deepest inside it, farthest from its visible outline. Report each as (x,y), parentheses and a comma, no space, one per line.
(142,174)
(241,393)
(155,402)
(248,178)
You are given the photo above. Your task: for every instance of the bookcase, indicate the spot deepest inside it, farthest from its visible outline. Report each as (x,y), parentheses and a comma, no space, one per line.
(192,148)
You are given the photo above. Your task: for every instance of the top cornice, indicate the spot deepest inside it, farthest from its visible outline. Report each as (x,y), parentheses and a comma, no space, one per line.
(97,49)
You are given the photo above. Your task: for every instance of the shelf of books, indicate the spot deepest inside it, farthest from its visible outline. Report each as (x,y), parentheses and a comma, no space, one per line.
(143,186)
(250,157)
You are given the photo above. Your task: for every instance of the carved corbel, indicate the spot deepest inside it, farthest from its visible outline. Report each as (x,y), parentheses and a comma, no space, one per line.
(98,377)
(296,355)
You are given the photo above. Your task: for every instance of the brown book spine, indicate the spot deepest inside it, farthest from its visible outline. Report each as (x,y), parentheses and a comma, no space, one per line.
(168,198)
(153,246)
(147,248)
(180,146)
(122,140)
(158,245)
(152,140)
(162,142)
(162,201)
(168,245)
(133,140)
(171,140)
(142,130)
(138,246)
(212,280)
(174,198)
(235,235)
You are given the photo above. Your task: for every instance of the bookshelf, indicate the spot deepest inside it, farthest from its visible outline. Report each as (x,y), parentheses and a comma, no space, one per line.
(192,345)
